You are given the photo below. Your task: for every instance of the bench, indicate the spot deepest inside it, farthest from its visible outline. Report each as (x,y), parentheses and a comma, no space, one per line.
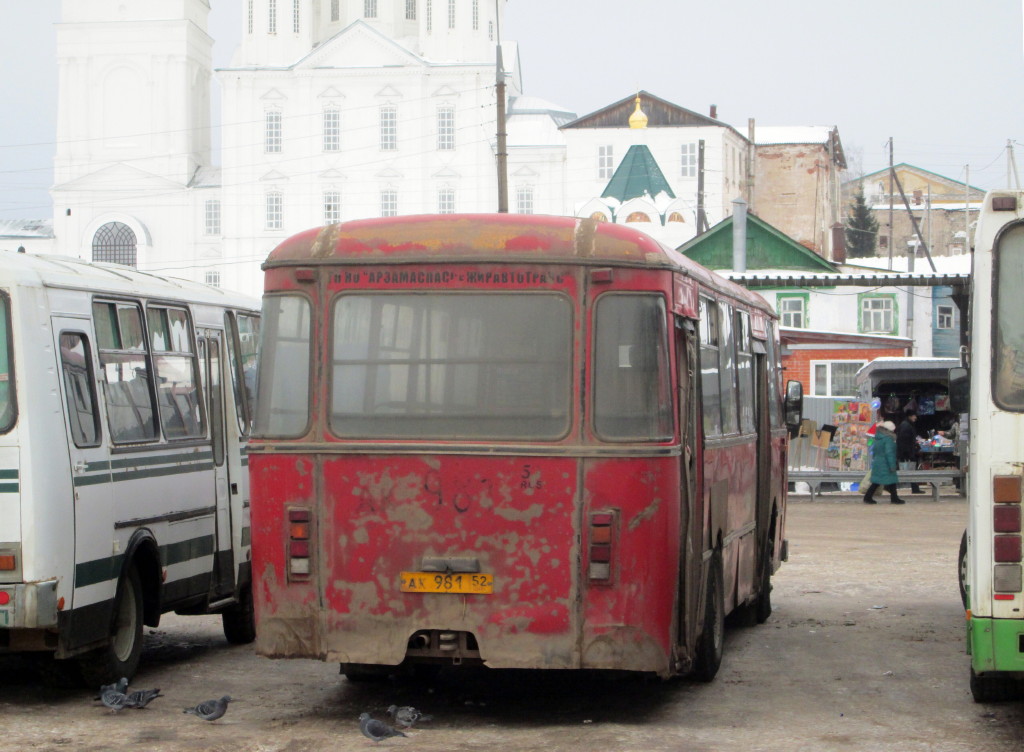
(814,478)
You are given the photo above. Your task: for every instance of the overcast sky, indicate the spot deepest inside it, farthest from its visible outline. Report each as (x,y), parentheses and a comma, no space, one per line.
(943,78)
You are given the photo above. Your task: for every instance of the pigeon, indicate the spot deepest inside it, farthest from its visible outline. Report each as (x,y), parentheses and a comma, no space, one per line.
(210,710)
(121,685)
(114,700)
(406,716)
(141,698)
(376,730)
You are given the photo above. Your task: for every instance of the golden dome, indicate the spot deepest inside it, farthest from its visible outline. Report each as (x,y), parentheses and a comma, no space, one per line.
(638,119)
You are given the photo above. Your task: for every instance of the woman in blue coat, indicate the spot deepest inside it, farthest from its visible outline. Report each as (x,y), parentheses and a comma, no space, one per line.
(883,464)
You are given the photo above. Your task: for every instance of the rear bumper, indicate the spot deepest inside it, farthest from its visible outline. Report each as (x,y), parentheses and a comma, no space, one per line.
(996,644)
(30,605)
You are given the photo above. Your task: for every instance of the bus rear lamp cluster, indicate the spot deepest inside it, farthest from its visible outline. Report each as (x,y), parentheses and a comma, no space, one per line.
(298,544)
(1006,541)
(601,545)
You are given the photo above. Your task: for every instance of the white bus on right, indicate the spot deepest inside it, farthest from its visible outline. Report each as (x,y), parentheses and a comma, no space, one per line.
(991,563)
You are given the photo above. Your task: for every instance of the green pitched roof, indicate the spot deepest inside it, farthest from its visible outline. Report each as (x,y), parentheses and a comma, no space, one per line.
(767,248)
(637,175)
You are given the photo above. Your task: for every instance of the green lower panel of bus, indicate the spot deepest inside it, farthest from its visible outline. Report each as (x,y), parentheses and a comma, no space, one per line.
(996,644)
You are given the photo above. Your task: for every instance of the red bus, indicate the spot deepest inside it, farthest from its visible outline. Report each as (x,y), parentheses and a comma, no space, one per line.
(516,441)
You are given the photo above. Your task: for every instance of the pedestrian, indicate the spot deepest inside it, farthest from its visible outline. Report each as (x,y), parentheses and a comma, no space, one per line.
(907,449)
(883,464)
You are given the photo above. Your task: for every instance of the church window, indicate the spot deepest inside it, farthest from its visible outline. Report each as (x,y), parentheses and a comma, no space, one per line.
(599,216)
(212,224)
(605,161)
(250,17)
(524,199)
(272,16)
(295,16)
(370,8)
(213,277)
(115,243)
(272,134)
(446,127)
(389,202)
(430,14)
(410,10)
(476,15)
(451,14)
(335,10)
(638,216)
(490,30)
(689,160)
(274,212)
(676,217)
(446,200)
(332,129)
(388,128)
(332,207)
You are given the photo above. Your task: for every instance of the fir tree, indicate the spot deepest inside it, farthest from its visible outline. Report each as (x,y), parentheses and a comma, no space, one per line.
(861,228)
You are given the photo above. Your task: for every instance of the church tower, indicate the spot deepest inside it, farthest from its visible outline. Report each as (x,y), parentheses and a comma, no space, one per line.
(134,87)
(133,128)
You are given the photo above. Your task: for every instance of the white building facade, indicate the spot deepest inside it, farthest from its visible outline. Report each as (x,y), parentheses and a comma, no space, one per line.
(333,110)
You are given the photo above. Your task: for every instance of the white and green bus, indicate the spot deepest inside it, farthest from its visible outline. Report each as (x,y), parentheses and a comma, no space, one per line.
(124,415)
(991,558)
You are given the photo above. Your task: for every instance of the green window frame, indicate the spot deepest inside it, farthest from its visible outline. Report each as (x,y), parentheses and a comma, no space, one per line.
(872,312)
(785,318)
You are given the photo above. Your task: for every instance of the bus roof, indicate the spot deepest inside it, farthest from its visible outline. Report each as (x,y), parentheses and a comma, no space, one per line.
(74,273)
(490,238)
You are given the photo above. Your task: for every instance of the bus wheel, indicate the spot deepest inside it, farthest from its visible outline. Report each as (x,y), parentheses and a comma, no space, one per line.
(962,567)
(239,621)
(366,672)
(994,688)
(763,607)
(120,656)
(712,638)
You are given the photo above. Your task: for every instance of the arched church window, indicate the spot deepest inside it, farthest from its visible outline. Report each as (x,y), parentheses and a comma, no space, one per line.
(599,216)
(676,217)
(638,216)
(115,243)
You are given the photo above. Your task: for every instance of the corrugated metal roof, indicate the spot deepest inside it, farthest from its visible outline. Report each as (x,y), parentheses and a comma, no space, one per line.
(637,175)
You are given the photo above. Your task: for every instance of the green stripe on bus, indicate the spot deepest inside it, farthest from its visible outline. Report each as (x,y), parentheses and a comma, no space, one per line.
(104,570)
(176,553)
(9,488)
(160,459)
(153,472)
(162,471)
(98,570)
(8,474)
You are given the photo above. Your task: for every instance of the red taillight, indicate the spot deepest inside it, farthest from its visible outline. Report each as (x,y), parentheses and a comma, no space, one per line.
(1007,548)
(1006,518)
(5,597)
(299,524)
(602,527)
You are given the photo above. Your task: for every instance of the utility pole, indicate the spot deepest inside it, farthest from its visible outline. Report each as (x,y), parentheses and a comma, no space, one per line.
(890,203)
(502,134)
(1011,166)
(702,219)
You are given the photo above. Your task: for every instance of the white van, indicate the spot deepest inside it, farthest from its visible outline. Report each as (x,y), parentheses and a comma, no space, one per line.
(124,414)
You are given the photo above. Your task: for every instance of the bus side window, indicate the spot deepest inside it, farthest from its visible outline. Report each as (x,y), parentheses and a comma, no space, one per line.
(177,373)
(127,390)
(709,384)
(727,371)
(76,366)
(7,399)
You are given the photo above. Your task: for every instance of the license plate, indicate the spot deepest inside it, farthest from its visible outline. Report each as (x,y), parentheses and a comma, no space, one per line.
(434,582)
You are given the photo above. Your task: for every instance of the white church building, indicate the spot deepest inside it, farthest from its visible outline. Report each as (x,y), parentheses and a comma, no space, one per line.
(334,110)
